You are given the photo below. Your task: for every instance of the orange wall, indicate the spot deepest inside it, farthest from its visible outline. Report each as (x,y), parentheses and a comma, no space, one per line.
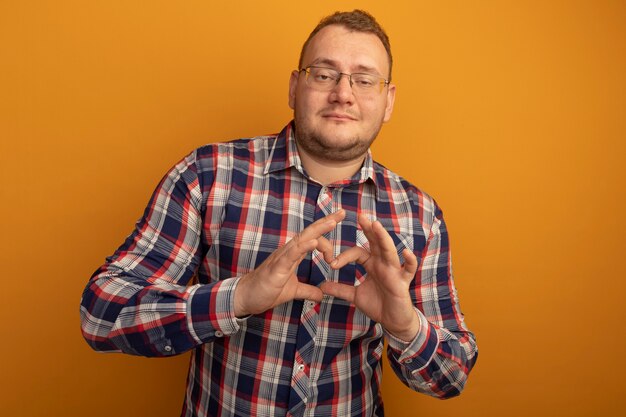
(512,114)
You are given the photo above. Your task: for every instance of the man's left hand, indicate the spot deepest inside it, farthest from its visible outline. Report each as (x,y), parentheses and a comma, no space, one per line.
(384,293)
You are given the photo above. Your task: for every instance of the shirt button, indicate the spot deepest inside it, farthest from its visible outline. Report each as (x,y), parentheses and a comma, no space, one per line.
(167,348)
(301,367)
(219,334)
(408,361)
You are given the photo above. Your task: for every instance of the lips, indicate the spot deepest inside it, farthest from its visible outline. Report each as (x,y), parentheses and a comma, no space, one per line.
(338,116)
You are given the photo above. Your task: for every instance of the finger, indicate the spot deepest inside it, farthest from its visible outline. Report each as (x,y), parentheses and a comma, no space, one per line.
(300,245)
(289,256)
(366,227)
(410,263)
(380,242)
(335,289)
(354,254)
(308,292)
(385,245)
(323,225)
(324,246)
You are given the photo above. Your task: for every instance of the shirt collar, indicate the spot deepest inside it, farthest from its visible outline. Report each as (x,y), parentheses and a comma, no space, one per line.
(284,153)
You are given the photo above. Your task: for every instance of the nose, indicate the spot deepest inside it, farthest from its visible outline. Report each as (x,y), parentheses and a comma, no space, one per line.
(343,89)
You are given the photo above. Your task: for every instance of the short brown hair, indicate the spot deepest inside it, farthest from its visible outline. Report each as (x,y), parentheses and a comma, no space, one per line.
(357,21)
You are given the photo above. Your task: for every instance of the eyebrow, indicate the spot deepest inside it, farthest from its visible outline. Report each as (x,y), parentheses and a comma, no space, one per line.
(335,64)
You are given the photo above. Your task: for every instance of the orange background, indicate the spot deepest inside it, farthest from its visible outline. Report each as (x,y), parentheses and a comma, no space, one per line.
(512,114)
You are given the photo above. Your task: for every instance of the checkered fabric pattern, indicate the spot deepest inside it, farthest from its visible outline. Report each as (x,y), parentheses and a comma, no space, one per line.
(217,215)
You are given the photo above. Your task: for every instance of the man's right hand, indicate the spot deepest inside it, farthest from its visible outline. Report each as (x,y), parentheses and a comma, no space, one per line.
(274,281)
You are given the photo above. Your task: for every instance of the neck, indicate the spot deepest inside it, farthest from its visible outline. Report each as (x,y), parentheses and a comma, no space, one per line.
(326,171)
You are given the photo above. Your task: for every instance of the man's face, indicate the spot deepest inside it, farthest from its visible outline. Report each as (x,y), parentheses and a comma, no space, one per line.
(338,125)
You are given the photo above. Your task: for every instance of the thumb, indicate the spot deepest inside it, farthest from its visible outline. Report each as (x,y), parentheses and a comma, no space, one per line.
(308,292)
(343,291)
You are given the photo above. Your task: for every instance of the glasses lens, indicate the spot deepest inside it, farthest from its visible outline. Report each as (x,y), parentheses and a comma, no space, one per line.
(322,78)
(365,82)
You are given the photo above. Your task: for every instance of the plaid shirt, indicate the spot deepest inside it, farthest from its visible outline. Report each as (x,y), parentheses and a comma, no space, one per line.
(217,215)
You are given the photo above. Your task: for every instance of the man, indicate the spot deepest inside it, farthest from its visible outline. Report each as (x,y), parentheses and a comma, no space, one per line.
(284,261)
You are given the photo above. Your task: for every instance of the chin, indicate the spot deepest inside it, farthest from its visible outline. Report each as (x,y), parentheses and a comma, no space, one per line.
(339,140)
(340,149)
(332,141)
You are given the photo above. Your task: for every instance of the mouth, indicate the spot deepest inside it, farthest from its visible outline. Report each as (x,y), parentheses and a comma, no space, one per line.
(339,117)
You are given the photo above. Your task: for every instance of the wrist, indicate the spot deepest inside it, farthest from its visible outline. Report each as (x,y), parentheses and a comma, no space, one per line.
(408,334)
(239,309)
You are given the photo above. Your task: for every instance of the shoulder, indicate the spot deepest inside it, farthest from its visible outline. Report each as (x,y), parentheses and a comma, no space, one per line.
(216,162)
(393,186)
(251,150)
(220,159)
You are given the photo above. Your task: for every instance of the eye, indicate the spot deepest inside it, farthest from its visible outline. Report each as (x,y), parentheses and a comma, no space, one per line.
(364,80)
(323,75)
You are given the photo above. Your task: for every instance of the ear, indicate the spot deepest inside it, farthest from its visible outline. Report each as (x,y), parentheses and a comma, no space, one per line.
(293,84)
(391,97)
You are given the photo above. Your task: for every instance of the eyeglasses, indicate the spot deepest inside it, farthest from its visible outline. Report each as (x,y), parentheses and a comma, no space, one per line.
(325,79)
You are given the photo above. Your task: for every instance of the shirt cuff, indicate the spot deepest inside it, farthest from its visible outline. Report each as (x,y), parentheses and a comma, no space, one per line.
(211,310)
(417,353)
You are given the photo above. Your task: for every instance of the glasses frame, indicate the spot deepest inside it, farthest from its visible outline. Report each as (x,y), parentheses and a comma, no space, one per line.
(383,82)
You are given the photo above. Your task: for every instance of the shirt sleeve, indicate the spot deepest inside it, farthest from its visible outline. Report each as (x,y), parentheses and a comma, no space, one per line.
(438,360)
(140,301)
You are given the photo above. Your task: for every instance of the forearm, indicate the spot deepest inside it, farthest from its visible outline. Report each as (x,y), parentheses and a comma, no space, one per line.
(437,362)
(120,313)
(439,359)
(139,301)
